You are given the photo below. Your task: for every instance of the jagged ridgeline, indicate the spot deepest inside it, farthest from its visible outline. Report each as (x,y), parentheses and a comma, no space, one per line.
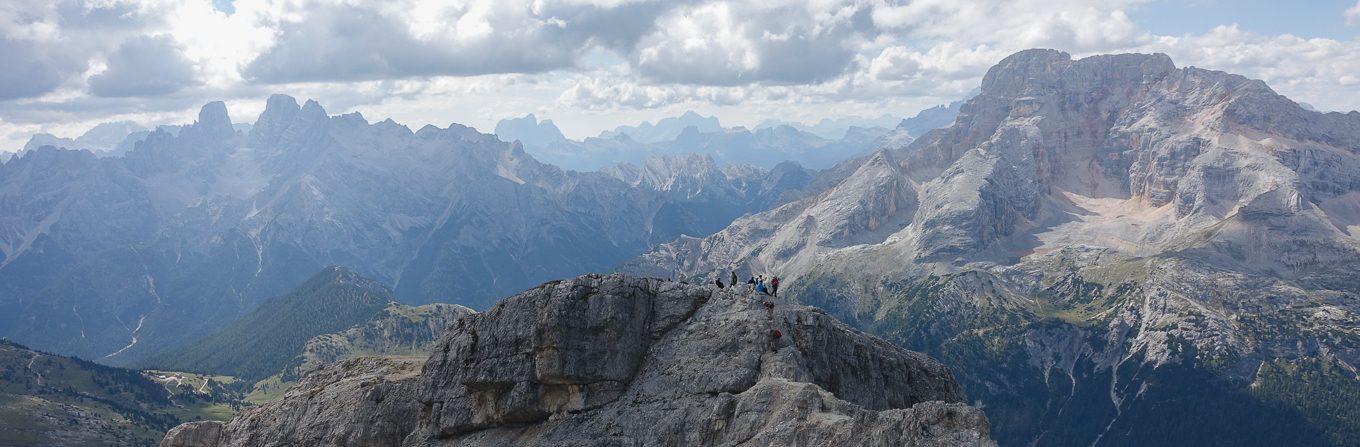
(120,258)
(1110,251)
(690,133)
(618,360)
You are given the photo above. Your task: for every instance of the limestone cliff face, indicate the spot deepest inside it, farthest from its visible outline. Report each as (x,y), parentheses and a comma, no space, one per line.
(618,360)
(1123,153)
(1088,235)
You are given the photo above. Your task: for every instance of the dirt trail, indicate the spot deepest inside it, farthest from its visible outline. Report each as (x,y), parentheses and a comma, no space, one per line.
(34,371)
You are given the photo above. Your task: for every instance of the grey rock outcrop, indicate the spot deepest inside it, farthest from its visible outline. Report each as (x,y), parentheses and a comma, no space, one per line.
(194,434)
(397,330)
(355,403)
(618,360)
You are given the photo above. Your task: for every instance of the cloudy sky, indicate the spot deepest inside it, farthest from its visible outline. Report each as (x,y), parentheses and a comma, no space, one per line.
(591,65)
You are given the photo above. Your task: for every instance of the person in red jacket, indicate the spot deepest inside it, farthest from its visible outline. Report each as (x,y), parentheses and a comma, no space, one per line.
(774,286)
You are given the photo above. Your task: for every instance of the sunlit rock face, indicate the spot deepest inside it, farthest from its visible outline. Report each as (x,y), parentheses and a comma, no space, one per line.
(1094,234)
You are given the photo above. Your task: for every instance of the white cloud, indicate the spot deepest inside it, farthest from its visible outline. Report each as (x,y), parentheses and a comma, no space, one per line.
(49,45)
(1073,25)
(944,61)
(144,66)
(733,43)
(1316,70)
(330,41)
(584,60)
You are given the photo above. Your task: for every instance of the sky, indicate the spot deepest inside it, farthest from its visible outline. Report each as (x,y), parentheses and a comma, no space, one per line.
(591,65)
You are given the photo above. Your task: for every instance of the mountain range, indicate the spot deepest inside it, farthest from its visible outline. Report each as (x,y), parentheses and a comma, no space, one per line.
(1110,250)
(665,129)
(818,146)
(112,138)
(1102,248)
(120,258)
(835,128)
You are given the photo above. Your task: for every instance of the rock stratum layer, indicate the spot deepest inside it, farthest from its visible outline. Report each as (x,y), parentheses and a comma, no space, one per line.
(618,360)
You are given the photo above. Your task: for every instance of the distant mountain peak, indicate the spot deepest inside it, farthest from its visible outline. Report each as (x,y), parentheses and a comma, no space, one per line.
(213,118)
(106,139)
(530,130)
(279,103)
(313,109)
(279,111)
(665,129)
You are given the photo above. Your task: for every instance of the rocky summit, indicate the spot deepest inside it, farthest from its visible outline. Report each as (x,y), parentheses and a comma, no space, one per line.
(620,360)
(1102,247)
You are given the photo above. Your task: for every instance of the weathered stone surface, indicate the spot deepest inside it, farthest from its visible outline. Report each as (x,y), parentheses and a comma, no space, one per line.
(397,330)
(194,434)
(629,361)
(359,402)
(618,360)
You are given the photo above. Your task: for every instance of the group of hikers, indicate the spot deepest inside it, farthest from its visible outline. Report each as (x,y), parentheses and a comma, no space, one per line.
(757,284)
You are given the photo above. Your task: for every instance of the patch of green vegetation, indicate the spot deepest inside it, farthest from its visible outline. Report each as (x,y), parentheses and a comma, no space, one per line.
(205,411)
(262,342)
(1081,301)
(1326,393)
(268,389)
(1042,365)
(47,399)
(18,417)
